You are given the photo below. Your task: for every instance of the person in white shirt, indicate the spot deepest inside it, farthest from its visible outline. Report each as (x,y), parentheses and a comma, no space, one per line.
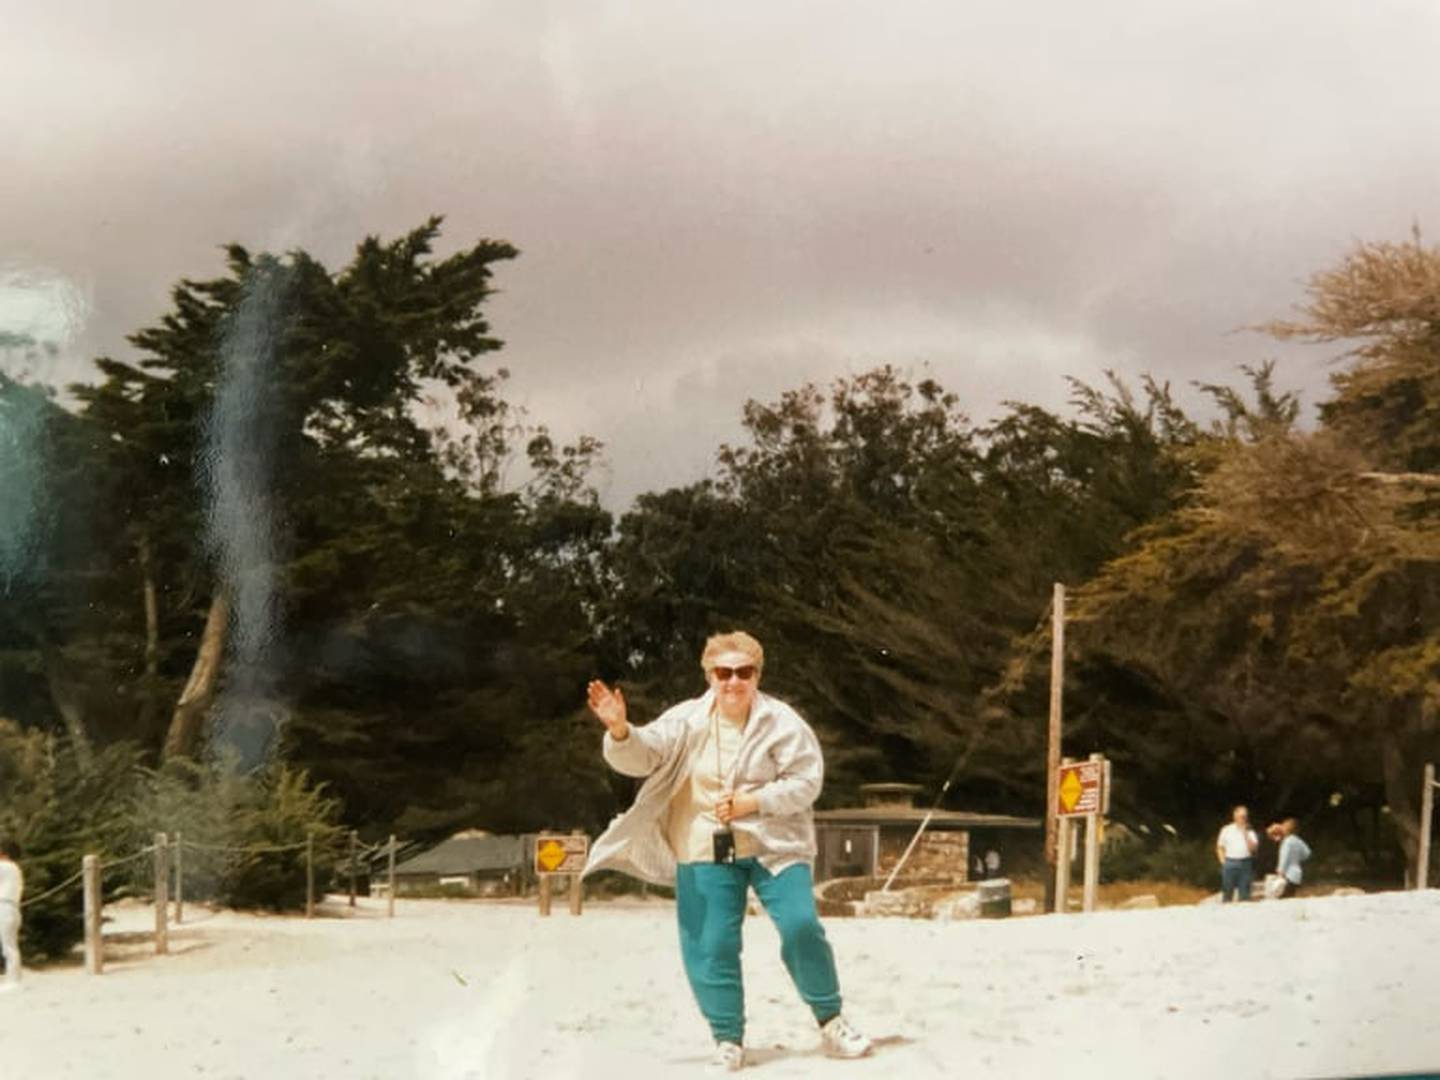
(1235,848)
(12,887)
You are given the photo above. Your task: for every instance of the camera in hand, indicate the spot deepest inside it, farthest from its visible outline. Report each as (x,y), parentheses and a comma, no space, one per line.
(724,841)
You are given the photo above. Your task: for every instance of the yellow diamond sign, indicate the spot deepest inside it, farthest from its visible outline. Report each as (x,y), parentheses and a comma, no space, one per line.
(1070,789)
(550,854)
(1081,789)
(561,853)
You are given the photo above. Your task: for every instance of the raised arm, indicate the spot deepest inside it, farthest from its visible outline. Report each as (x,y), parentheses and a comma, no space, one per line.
(634,751)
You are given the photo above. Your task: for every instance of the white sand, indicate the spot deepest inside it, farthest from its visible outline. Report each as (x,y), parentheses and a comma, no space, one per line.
(1322,987)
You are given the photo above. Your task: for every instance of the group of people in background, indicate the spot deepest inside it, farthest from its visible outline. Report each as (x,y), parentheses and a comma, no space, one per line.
(1236,849)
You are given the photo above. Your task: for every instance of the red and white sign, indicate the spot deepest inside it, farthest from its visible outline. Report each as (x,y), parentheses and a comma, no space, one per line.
(1080,790)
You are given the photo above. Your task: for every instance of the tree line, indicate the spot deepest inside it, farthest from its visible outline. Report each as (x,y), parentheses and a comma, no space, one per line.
(247,546)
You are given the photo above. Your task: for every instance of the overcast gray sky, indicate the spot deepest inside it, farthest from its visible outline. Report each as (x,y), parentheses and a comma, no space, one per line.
(720,201)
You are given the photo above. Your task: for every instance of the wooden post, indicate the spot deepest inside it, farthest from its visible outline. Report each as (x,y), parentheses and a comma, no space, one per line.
(1062,859)
(577,889)
(1092,852)
(544,894)
(390,887)
(1052,751)
(354,858)
(179,878)
(310,873)
(1427,811)
(94,953)
(162,890)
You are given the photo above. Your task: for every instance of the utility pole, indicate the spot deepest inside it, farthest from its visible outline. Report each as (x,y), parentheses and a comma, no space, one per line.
(1052,752)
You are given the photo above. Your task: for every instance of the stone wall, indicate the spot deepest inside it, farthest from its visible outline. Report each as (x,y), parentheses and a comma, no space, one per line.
(938,854)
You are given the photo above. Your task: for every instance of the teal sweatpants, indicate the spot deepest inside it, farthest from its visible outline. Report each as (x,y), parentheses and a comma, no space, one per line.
(710,900)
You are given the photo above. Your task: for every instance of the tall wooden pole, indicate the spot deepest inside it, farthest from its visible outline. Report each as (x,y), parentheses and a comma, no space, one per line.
(1052,752)
(354,859)
(1092,853)
(162,898)
(577,887)
(94,953)
(1427,811)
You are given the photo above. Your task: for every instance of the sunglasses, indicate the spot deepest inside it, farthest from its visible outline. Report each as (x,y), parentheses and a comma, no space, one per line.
(744,674)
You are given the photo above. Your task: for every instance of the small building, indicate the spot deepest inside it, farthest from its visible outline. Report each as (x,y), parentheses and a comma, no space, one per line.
(869,840)
(474,862)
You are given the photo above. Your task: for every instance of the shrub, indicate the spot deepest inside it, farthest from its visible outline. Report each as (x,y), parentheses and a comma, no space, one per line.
(244,833)
(60,804)
(1191,862)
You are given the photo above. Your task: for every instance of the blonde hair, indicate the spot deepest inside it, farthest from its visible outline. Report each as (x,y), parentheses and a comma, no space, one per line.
(734,641)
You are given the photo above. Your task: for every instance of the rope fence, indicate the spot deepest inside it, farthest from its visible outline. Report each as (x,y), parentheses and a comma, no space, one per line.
(73,878)
(258,850)
(167,855)
(51,892)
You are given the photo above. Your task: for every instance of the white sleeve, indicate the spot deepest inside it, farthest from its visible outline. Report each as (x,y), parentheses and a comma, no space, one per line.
(643,750)
(801,773)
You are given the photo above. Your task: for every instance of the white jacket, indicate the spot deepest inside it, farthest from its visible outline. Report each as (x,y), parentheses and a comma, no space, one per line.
(779,762)
(12,881)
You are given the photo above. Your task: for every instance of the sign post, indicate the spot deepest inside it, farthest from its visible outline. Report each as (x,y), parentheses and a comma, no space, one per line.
(1062,857)
(561,854)
(1082,790)
(1427,811)
(1092,846)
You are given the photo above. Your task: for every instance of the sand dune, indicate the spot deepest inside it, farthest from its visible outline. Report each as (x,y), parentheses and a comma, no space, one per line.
(450,990)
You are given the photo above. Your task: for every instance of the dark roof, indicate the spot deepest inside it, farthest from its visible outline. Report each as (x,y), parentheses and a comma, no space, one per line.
(467,854)
(902,815)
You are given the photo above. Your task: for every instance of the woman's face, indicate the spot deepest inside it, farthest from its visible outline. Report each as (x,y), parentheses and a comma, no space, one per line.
(733,692)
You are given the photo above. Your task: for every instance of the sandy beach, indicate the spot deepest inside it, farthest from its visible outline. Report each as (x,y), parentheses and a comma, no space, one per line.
(1338,986)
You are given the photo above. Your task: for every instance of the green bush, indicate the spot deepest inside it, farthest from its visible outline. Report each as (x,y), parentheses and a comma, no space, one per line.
(243,833)
(61,803)
(1189,862)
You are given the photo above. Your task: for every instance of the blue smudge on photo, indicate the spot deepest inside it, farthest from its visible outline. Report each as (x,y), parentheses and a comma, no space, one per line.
(237,470)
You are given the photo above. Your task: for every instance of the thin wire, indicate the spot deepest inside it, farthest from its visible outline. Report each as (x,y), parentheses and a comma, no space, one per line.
(980,731)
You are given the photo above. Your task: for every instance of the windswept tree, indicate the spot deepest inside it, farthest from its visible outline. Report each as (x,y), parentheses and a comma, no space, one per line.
(1297,595)
(262,404)
(891,554)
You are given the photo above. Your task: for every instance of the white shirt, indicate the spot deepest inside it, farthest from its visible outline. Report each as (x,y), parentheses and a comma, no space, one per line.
(1238,843)
(692,821)
(12,883)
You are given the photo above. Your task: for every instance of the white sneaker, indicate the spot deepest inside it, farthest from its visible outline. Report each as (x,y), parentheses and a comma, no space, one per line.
(729,1057)
(843,1041)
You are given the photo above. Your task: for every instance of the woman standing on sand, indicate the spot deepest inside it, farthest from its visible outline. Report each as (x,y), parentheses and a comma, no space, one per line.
(725,808)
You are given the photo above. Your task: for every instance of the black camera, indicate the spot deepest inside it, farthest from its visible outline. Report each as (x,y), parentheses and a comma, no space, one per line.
(724,841)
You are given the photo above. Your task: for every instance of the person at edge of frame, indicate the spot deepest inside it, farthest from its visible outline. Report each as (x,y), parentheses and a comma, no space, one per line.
(1235,849)
(731,777)
(12,888)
